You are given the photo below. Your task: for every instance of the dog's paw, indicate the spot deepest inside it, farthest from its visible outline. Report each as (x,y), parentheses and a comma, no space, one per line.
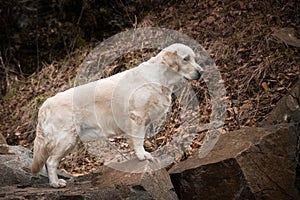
(59,184)
(144,156)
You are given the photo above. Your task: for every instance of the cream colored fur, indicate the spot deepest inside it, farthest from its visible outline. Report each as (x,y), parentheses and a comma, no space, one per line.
(123,103)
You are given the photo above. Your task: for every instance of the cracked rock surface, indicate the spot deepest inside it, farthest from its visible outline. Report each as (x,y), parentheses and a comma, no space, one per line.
(251,163)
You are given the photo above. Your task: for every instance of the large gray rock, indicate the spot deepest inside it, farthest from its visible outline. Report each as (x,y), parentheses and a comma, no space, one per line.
(152,184)
(15,162)
(17,182)
(251,163)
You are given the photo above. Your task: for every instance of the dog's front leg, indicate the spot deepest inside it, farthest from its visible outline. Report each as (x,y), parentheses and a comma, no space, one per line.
(141,153)
(137,138)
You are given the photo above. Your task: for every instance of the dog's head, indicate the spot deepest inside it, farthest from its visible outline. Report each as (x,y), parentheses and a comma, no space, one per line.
(181,59)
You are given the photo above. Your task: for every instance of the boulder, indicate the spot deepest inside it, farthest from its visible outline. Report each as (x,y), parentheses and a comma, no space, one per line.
(15,167)
(148,185)
(251,163)
(17,182)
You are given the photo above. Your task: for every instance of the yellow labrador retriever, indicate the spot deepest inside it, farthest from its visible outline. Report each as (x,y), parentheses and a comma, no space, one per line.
(123,103)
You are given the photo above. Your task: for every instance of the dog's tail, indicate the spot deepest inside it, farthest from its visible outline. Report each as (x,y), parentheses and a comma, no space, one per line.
(40,154)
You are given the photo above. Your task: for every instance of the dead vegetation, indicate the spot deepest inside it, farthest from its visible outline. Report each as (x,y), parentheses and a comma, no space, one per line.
(256,65)
(255,44)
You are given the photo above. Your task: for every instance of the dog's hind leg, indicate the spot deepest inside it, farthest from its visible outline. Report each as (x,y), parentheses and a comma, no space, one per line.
(61,150)
(51,165)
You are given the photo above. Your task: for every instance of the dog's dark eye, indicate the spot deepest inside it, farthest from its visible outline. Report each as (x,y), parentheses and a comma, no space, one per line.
(186,58)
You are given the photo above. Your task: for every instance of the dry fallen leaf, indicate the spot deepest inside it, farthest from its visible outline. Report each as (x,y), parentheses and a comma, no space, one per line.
(280,89)
(266,87)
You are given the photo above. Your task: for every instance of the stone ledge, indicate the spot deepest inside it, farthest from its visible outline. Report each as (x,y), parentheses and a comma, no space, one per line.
(251,163)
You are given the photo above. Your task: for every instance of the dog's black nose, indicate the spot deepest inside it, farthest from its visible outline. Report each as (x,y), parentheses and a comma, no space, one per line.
(199,74)
(199,71)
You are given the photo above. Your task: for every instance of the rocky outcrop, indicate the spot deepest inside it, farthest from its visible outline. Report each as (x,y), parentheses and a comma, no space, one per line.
(251,163)
(18,183)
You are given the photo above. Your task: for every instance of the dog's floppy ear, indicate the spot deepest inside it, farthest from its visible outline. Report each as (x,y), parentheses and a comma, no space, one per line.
(171,59)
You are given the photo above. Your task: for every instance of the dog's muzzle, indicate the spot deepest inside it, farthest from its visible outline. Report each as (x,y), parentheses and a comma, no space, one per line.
(196,75)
